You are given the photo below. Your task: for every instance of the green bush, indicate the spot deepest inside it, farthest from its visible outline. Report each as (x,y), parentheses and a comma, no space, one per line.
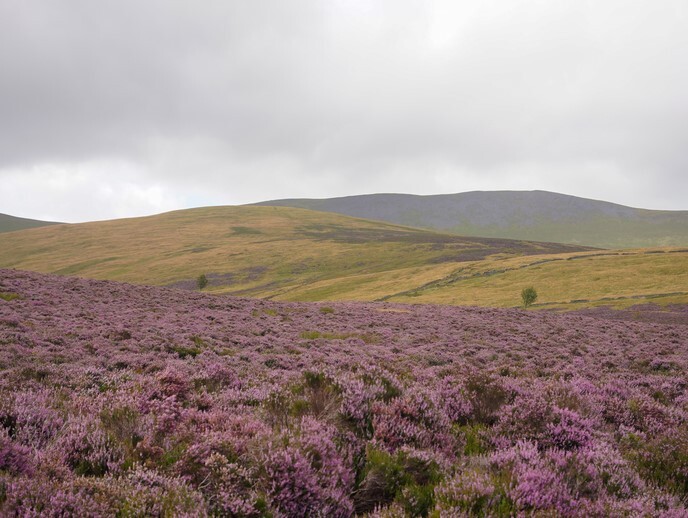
(661,460)
(486,396)
(528,296)
(201,281)
(399,478)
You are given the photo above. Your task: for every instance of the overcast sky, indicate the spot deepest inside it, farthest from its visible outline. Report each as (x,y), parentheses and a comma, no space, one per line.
(131,107)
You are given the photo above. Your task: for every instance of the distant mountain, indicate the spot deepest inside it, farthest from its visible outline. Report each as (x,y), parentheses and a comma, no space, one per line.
(11,223)
(529,215)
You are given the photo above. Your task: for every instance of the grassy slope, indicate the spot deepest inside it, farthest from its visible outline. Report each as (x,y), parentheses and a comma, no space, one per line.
(261,251)
(563,281)
(616,278)
(294,254)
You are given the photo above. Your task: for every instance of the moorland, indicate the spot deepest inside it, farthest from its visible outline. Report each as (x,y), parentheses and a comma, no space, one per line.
(330,365)
(124,400)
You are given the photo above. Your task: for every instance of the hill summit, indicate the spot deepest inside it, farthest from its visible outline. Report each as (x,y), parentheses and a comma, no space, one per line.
(524,215)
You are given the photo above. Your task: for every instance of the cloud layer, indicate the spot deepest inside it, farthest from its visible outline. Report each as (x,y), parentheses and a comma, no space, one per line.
(128,107)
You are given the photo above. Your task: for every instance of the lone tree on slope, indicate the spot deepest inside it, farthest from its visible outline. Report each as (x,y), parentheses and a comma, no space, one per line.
(528,296)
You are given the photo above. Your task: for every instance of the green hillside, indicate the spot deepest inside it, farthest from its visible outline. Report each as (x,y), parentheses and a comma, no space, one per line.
(530,215)
(242,250)
(296,254)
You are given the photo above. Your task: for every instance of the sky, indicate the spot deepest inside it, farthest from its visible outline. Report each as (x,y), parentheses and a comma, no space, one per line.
(121,108)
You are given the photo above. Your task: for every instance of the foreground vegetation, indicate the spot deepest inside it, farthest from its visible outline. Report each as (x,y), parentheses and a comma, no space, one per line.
(137,401)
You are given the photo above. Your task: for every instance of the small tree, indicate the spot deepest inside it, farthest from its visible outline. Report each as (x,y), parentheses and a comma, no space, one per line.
(202,281)
(528,296)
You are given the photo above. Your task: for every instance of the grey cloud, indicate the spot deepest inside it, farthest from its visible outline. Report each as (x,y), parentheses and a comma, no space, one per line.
(338,94)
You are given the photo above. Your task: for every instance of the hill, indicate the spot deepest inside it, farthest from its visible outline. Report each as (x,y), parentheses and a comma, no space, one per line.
(301,255)
(530,215)
(149,401)
(11,223)
(252,251)
(619,278)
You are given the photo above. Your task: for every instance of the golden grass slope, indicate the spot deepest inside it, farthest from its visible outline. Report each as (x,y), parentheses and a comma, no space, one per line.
(297,254)
(564,281)
(242,249)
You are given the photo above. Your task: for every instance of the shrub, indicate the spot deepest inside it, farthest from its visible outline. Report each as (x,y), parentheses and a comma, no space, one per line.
(201,281)
(28,496)
(14,458)
(184,352)
(403,477)
(87,449)
(123,428)
(474,438)
(528,296)
(661,460)
(308,476)
(317,395)
(472,491)
(30,418)
(486,396)
(410,420)
(152,494)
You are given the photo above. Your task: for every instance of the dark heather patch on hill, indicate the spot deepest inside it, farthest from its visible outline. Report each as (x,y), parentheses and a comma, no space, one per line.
(460,248)
(363,235)
(674,314)
(344,234)
(11,223)
(526,215)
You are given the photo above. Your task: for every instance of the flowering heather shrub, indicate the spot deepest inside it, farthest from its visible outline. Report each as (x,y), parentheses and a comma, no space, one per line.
(472,491)
(149,493)
(309,476)
(410,420)
(15,458)
(86,448)
(356,403)
(37,497)
(532,417)
(485,396)
(230,488)
(454,400)
(119,400)
(29,417)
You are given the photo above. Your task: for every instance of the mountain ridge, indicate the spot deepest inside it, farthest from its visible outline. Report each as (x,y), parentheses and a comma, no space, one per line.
(522,215)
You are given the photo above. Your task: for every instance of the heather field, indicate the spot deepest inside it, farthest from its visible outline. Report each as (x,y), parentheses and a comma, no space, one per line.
(122,400)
